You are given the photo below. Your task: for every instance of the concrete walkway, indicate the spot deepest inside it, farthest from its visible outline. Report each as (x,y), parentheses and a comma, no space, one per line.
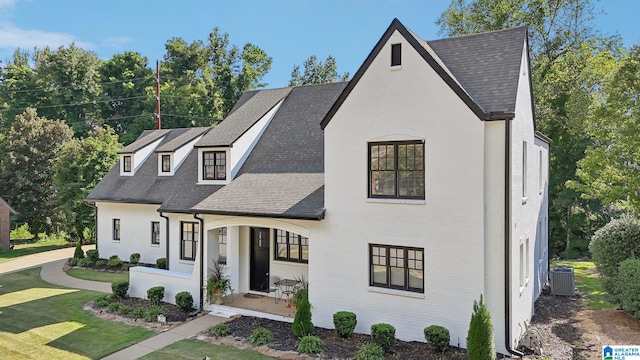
(52,263)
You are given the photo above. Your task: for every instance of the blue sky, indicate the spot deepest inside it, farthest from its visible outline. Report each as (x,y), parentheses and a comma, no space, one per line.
(288,30)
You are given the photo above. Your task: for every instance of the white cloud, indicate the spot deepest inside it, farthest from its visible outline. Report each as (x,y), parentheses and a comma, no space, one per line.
(117,42)
(14,37)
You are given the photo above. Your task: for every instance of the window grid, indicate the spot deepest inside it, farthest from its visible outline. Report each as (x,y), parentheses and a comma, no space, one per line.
(396,170)
(166,163)
(155,232)
(126,163)
(214,165)
(222,245)
(188,240)
(397,267)
(116,229)
(291,247)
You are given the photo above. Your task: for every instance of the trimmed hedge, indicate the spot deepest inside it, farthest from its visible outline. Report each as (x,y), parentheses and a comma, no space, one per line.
(437,336)
(134,258)
(155,294)
(120,288)
(161,263)
(345,322)
(384,335)
(184,300)
(629,284)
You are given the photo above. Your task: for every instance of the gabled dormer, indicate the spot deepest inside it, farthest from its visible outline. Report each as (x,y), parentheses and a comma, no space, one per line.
(134,155)
(173,153)
(223,150)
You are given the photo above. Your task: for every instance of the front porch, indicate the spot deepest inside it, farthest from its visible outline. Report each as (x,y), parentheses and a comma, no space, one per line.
(251,304)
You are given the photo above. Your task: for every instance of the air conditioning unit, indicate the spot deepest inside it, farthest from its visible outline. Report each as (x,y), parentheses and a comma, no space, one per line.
(562,281)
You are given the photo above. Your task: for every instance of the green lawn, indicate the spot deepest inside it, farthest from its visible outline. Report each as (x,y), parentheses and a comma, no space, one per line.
(95,275)
(43,321)
(36,247)
(196,349)
(588,282)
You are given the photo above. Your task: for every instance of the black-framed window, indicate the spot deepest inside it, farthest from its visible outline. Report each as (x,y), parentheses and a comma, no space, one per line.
(188,239)
(116,229)
(396,170)
(166,163)
(214,165)
(155,232)
(126,163)
(222,245)
(291,247)
(396,267)
(396,54)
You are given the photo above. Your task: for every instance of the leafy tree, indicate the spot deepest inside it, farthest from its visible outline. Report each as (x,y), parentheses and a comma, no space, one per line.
(26,173)
(17,84)
(78,168)
(480,342)
(317,72)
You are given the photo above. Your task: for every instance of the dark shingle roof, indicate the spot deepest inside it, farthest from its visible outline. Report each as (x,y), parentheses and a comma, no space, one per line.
(146,138)
(284,174)
(182,139)
(253,105)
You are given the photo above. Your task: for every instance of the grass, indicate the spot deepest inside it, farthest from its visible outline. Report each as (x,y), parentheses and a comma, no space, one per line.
(52,243)
(588,282)
(95,275)
(196,349)
(39,320)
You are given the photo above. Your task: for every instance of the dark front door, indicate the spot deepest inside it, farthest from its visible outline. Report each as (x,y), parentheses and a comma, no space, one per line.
(259,258)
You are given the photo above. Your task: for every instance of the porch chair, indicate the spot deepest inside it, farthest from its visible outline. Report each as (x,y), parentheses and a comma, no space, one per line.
(269,285)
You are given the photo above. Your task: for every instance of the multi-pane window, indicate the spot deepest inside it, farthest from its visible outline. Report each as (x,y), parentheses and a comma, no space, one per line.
(126,163)
(222,245)
(188,240)
(396,170)
(116,229)
(396,267)
(155,232)
(291,246)
(214,165)
(166,163)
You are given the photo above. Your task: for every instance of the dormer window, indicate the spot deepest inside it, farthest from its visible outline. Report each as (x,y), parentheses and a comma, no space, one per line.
(214,165)
(126,163)
(166,163)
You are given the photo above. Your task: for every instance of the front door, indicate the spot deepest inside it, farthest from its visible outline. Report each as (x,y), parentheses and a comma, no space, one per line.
(259,259)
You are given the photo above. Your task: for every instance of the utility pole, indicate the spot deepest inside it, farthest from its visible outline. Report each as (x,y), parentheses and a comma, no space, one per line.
(158,95)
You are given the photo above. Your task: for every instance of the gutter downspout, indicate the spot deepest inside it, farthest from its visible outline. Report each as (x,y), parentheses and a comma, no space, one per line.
(166,219)
(507,239)
(195,216)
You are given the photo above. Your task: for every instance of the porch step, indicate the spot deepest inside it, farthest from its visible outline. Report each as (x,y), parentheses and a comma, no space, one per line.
(229,311)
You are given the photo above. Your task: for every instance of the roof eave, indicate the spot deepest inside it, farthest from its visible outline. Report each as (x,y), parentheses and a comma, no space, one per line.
(261,215)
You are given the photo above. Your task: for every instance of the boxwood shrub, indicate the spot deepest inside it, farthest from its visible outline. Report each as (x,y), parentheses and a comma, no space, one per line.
(384,335)
(155,294)
(120,288)
(92,254)
(184,300)
(437,336)
(161,263)
(345,322)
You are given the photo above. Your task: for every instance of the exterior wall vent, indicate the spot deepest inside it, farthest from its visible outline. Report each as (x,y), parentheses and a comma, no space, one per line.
(562,281)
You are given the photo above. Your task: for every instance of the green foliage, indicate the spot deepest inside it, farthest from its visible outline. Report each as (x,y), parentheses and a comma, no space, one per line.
(218,280)
(628,285)
(298,295)
(78,253)
(102,301)
(261,336)
(370,351)
(480,343)
(152,313)
(92,254)
(161,263)
(134,258)
(437,336)
(310,345)
(115,307)
(384,335)
(120,288)
(114,262)
(345,322)
(100,263)
(155,294)
(302,324)
(317,72)
(88,237)
(184,300)
(220,329)
(138,312)
(84,262)
(21,232)
(73,262)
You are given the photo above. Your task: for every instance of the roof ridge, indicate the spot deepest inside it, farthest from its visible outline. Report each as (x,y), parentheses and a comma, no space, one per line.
(479,33)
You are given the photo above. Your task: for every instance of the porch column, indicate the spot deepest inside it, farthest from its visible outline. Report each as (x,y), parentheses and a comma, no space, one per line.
(233,257)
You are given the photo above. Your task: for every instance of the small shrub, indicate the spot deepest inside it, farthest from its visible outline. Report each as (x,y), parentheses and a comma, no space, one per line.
(629,285)
(21,232)
(161,263)
(125,309)
(92,254)
(370,351)
(384,335)
(113,257)
(120,288)
(78,253)
(480,343)
(115,307)
(102,301)
(220,329)
(152,313)
(114,261)
(184,300)
(345,322)
(125,267)
(261,336)
(298,295)
(437,336)
(310,345)
(84,262)
(155,294)
(101,263)
(73,262)
(138,312)
(134,258)
(302,324)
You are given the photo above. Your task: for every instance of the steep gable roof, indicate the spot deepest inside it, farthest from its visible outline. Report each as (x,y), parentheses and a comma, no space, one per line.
(182,139)
(146,138)
(481,85)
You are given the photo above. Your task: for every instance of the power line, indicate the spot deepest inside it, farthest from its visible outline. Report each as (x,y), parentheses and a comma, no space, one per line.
(81,103)
(68,87)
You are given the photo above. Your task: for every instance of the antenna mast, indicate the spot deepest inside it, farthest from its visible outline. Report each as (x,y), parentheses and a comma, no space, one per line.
(159,123)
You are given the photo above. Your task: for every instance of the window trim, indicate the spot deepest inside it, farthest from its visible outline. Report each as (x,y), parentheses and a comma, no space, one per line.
(396,194)
(215,165)
(155,235)
(162,163)
(127,162)
(116,228)
(222,239)
(387,265)
(288,244)
(195,233)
